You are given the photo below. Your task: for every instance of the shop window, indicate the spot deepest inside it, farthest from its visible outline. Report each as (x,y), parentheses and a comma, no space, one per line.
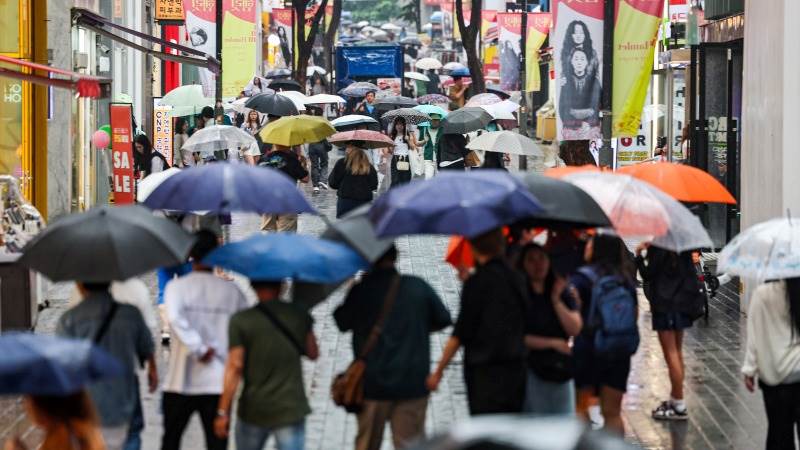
(9,23)
(11,127)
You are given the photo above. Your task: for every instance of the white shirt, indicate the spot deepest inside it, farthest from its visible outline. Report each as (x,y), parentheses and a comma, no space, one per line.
(199,306)
(400,147)
(770,352)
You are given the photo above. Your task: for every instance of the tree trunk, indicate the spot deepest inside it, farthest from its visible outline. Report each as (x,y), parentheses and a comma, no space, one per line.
(330,35)
(469,37)
(418,18)
(576,153)
(305,43)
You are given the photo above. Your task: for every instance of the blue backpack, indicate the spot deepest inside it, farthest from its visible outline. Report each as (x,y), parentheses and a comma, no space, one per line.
(612,316)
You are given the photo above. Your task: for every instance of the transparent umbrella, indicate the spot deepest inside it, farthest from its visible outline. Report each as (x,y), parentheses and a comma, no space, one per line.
(217,137)
(766,251)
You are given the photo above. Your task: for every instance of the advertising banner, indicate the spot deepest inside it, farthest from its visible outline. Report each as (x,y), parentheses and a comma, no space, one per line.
(491,63)
(466,7)
(638,147)
(635,34)
(162,131)
(239,46)
(169,10)
(202,30)
(538,29)
(283,23)
(578,49)
(121,121)
(509,26)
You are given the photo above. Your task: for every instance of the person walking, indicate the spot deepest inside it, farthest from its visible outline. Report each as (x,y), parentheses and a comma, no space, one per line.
(398,362)
(318,156)
(676,300)
(182,158)
(354,178)
(491,327)
(404,144)
(457,93)
(286,160)
(120,330)
(553,320)
(772,357)
(199,306)
(266,344)
(430,139)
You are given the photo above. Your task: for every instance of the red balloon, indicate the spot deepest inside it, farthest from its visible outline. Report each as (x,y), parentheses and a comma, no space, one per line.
(101,139)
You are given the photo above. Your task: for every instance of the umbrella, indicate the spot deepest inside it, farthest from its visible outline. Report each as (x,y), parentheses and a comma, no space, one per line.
(38,364)
(218,137)
(106,244)
(459,253)
(286,85)
(394,102)
(428,64)
(272,104)
(367,138)
(186,100)
(507,105)
(391,27)
(412,116)
(638,209)
(298,98)
(295,130)
(449,81)
(311,70)
(352,120)
(432,99)
(152,181)
(563,171)
(362,24)
(278,73)
(497,112)
(505,142)
(682,182)
(250,85)
(453,65)
(224,188)
(484,99)
(431,110)
(565,205)
(466,120)
(356,231)
(380,35)
(277,256)
(497,90)
(417,76)
(359,89)
(238,105)
(765,251)
(411,40)
(436,17)
(322,99)
(460,72)
(460,203)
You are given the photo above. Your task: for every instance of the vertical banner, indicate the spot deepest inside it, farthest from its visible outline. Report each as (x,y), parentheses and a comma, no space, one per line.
(635,34)
(202,30)
(491,64)
(282,21)
(510,29)
(121,121)
(538,28)
(466,7)
(238,45)
(162,131)
(578,48)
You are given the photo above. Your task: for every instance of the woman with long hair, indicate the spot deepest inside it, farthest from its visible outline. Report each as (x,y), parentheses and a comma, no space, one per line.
(182,158)
(354,178)
(145,160)
(578,37)
(404,143)
(253,123)
(772,357)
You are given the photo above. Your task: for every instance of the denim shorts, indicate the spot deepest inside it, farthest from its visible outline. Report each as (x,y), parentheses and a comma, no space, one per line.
(671,321)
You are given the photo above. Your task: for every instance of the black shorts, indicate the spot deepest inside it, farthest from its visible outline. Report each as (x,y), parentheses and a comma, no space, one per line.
(594,372)
(671,321)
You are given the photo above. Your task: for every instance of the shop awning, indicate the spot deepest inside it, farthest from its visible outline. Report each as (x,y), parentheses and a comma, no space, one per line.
(101,25)
(84,85)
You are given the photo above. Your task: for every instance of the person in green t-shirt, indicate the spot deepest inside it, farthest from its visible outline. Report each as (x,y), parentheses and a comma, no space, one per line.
(266,343)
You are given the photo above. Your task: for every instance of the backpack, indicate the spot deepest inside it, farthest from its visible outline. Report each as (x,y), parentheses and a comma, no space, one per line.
(612,316)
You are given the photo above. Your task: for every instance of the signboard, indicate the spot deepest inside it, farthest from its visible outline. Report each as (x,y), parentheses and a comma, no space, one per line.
(283,24)
(121,115)
(169,10)
(162,131)
(202,30)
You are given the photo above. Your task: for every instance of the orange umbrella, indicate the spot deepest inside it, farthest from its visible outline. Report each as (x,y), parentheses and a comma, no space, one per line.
(682,182)
(561,172)
(459,253)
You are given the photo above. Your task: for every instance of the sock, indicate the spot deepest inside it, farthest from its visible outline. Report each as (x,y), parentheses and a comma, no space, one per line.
(679,405)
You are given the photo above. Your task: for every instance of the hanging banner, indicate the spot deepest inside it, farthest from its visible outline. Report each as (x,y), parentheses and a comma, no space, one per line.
(510,30)
(466,7)
(538,28)
(328,20)
(121,121)
(578,45)
(489,34)
(239,45)
(639,147)
(162,131)
(635,34)
(202,30)
(488,20)
(283,23)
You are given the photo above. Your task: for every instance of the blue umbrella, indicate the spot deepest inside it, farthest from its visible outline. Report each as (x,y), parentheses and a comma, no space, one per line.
(277,256)
(224,188)
(455,203)
(38,364)
(436,17)
(460,72)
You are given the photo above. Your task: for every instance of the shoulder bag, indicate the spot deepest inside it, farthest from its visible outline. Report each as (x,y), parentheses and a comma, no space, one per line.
(282,328)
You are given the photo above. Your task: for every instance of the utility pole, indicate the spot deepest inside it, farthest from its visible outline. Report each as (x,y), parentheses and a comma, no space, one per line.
(606,153)
(218,111)
(523,110)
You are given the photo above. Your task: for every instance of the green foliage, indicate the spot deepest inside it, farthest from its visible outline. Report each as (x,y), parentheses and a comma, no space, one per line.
(375,11)
(410,11)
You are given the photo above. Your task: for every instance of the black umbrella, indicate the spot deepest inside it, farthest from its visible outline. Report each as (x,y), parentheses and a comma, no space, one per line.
(394,102)
(272,104)
(466,120)
(286,85)
(565,205)
(278,73)
(497,90)
(106,244)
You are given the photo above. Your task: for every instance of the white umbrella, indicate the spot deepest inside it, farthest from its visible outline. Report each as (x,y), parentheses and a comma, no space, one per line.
(238,105)
(391,27)
(370,30)
(322,99)
(453,65)
(218,137)
(427,27)
(298,98)
(766,251)
(507,105)
(352,119)
(186,100)
(152,181)
(417,76)
(311,70)
(505,142)
(362,24)
(428,63)
(498,113)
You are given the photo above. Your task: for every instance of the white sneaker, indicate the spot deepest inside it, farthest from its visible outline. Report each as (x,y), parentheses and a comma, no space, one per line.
(324,185)
(316,190)
(596,417)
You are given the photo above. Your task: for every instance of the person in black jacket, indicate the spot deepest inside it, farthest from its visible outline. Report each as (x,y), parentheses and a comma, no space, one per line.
(452,151)
(354,178)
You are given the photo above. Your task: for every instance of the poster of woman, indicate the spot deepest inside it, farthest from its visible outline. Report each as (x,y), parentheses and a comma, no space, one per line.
(509,25)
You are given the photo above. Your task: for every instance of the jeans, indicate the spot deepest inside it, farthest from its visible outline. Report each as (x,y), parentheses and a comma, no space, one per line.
(134,440)
(782,403)
(253,437)
(319,166)
(544,397)
(178,409)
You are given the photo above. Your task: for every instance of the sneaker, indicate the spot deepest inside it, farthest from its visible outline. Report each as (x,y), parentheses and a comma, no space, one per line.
(165,338)
(596,417)
(316,190)
(667,411)
(324,185)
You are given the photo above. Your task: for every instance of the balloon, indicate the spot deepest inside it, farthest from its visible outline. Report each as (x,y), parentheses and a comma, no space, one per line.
(101,139)
(107,129)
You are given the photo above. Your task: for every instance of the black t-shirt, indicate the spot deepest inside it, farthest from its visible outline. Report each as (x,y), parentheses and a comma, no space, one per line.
(542,319)
(286,162)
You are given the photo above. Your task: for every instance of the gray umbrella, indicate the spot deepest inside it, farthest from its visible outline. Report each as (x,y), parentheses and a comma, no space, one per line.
(106,244)
(410,115)
(356,230)
(395,102)
(466,120)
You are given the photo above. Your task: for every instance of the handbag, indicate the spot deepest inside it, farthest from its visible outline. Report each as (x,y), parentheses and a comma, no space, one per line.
(472,159)
(347,389)
(551,365)
(403,166)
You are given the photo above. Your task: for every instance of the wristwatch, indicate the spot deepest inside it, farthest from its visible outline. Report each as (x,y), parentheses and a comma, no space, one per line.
(222,413)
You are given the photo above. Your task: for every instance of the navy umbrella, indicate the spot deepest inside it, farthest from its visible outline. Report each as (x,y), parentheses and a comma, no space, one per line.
(224,188)
(38,364)
(453,203)
(272,104)
(460,72)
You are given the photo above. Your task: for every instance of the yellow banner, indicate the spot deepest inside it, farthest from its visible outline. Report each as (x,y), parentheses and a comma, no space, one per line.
(238,51)
(538,29)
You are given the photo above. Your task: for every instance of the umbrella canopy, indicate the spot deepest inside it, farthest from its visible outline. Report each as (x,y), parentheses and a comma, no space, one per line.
(565,205)
(277,256)
(278,73)
(506,142)
(272,104)
(433,99)
(356,231)
(366,138)
(359,89)
(186,100)
(286,85)
(353,120)
(428,64)
(411,40)
(507,105)
(224,188)
(152,181)
(682,182)
(459,253)
(460,72)
(323,99)
(460,203)
(497,112)
(411,115)
(218,137)
(298,98)
(765,251)
(295,130)
(394,102)
(38,364)
(563,171)
(453,65)
(431,110)
(238,105)
(484,99)
(417,76)
(106,244)
(465,120)
(638,209)
(448,81)
(311,70)
(391,27)
(497,90)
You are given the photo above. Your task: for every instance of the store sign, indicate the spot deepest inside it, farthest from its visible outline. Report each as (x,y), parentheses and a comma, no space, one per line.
(170,10)
(162,131)
(122,152)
